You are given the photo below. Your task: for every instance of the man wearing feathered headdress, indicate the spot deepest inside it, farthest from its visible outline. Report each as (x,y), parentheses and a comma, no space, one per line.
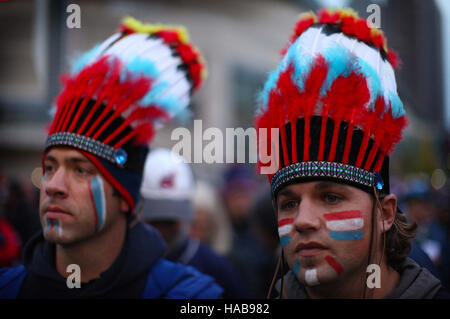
(334,100)
(93,161)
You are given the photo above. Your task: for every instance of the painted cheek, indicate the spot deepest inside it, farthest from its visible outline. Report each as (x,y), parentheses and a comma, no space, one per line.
(48,225)
(345,225)
(58,227)
(334,264)
(311,277)
(284,230)
(97,194)
(296,268)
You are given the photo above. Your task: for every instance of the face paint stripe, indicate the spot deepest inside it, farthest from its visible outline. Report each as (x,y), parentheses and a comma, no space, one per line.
(285,221)
(95,207)
(352,235)
(97,193)
(345,225)
(285,240)
(58,227)
(334,264)
(103,202)
(343,215)
(47,224)
(311,277)
(98,196)
(296,267)
(284,230)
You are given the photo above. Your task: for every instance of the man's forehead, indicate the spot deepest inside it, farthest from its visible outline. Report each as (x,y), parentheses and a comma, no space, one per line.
(312,185)
(65,153)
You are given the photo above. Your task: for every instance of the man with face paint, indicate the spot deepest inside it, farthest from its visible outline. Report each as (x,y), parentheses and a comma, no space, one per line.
(334,100)
(93,162)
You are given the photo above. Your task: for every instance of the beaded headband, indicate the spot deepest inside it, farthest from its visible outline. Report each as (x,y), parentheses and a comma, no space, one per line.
(325,169)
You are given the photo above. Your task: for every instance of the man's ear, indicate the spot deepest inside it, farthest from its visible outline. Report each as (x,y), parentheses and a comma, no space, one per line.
(124,206)
(389,209)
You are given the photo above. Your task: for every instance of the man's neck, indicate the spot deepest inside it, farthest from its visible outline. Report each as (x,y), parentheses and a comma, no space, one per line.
(356,286)
(94,255)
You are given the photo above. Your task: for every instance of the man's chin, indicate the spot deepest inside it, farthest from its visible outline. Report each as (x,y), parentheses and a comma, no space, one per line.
(318,275)
(57,239)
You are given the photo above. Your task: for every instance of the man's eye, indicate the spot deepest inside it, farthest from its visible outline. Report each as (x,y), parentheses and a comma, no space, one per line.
(331,198)
(47,169)
(289,205)
(81,170)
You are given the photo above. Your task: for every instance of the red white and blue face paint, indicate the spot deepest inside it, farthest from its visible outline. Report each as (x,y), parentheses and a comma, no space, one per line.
(341,226)
(345,225)
(97,192)
(284,230)
(54,225)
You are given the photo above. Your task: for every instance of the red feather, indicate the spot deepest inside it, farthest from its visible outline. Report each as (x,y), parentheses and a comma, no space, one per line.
(125,29)
(394,59)
(325,16)
(144,133)
(187,54)
(169,37)
(195,70)
(139,89)
(345,95)
(94,84)
(313,83)
(369,120)
(393,128)
(357,28)
(393,134)
(290,94)
(276,109)
(113,78)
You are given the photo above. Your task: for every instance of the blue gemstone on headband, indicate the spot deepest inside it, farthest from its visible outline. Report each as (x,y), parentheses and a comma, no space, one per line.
(378,181)
(120,156)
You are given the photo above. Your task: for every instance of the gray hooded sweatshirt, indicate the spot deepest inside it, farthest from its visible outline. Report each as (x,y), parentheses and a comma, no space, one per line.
(415,283)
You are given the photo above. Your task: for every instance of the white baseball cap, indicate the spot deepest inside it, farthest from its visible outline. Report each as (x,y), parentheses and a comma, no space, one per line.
(167,187)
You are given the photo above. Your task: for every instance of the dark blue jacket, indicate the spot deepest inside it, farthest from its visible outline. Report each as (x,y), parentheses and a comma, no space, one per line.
(196,254)
(138,272)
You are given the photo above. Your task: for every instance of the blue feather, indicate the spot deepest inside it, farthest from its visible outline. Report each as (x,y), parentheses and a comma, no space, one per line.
(396,105)
(79,63)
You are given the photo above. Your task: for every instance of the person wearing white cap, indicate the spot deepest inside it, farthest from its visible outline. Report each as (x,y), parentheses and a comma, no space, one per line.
(166,203)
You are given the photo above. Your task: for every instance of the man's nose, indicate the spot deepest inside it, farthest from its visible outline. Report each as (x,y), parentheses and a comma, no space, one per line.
(56,184)
(307,218)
